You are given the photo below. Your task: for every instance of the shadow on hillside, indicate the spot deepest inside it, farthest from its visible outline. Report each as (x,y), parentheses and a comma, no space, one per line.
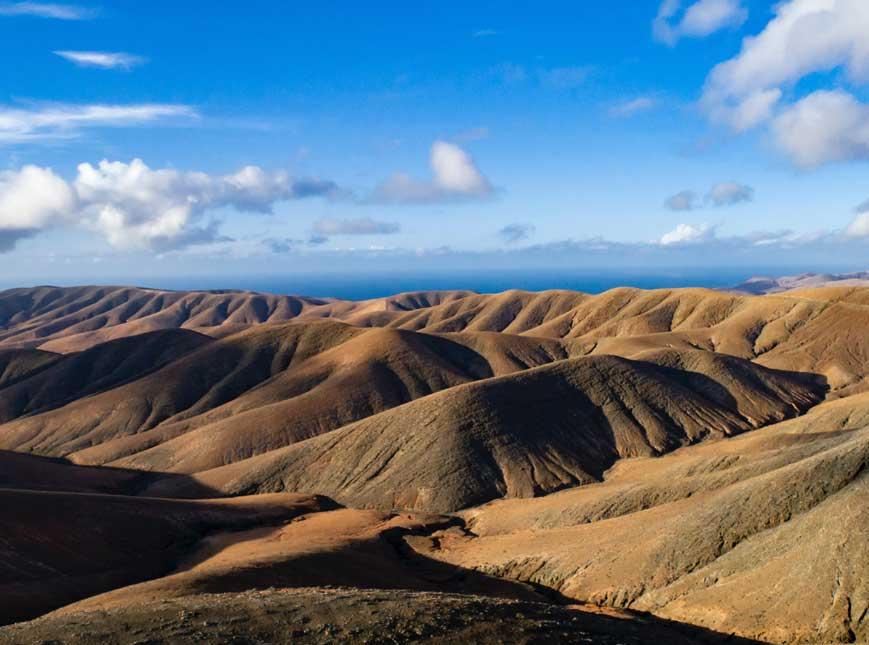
(25,471)
(388,562)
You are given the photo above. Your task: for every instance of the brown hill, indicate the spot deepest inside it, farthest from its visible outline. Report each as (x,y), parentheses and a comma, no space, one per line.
(72,376)
(595,448)
(17,364)
(762,535)
(790,330)
(520,435)
(264,389)
(65,319)
(363,549)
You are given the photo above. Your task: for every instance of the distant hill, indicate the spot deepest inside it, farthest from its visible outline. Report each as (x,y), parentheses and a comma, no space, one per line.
(763,284)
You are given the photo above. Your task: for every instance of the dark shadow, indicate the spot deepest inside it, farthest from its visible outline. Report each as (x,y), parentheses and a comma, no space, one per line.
(25,471)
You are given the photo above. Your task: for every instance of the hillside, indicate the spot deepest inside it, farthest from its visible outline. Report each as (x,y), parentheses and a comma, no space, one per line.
(65,319)
(680,464)
(734,536)
(262,389)
(521,435)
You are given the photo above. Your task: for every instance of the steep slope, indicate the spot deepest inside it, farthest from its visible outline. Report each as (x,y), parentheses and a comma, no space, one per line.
(255,391)
(199,381)
(16,364)
(373,371)
(762,534)
(73,376)
(520,435)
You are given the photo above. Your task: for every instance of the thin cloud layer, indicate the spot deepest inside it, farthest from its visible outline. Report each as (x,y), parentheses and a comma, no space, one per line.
(102,60)
(517,232)
(135,207)
(632,107)
(357,226)
(701,18)
(60,120)
(46,10)
(726,193)
(455,177)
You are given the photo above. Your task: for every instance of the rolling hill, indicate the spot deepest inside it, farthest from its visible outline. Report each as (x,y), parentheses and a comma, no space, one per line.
(681,464)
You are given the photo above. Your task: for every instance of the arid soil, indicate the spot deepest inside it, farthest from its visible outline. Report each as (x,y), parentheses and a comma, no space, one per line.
(677,465)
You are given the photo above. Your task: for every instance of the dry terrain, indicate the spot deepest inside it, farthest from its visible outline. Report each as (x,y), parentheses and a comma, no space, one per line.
(679,465)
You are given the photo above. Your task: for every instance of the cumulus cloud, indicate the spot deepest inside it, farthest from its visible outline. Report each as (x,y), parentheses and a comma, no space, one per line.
(135,207)
(685,200)
(517,232)
(822,128)
(700,19)
(687,234)
(103,60)
(729,193)
(64,121)
(359,226)
(804,37)
(455,176)
(634,106)
(31,199)
(46,10)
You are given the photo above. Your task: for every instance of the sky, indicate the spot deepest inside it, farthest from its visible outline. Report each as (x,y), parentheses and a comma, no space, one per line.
(164,139)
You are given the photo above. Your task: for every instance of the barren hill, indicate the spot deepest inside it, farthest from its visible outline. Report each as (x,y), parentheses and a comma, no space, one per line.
(680,455)
(263,389)
(520,435)
(764,534)
(67,319)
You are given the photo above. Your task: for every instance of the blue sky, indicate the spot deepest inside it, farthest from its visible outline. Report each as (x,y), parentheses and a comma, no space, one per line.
(288,137)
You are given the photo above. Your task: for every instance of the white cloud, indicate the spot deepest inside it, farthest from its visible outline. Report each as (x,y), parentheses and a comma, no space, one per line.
(685,200)
(633,106)
(46,10)
(31,199)
(358,226)
(859,227)
(136,207)
(698,20)
(63,120)
(804,37)
(728,193)
(823,127)
(104,60)
(687,234)
(455,176)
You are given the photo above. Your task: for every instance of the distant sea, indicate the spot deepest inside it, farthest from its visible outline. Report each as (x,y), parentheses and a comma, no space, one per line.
(360,287)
